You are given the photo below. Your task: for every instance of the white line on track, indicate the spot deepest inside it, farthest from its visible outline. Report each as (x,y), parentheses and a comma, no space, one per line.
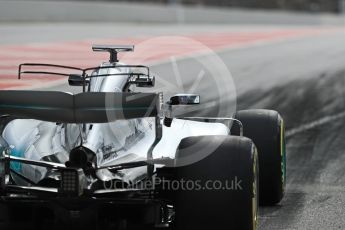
(314,124)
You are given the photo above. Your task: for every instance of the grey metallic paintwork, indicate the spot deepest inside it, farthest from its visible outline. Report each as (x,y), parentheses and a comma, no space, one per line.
(115,142)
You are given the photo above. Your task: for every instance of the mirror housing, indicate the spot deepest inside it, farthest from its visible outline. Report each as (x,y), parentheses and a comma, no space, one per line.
(185,99)
(76,80)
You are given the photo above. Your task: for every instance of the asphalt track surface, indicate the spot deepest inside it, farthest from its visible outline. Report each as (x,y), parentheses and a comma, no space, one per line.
(303,78)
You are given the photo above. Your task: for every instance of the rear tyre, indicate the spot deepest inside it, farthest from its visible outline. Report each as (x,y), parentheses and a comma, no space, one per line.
(220,190)
(266,129)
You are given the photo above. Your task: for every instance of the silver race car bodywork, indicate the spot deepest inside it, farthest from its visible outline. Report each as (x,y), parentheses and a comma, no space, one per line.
(116,142)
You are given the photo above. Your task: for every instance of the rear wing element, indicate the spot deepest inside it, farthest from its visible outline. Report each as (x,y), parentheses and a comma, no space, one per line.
(89,107)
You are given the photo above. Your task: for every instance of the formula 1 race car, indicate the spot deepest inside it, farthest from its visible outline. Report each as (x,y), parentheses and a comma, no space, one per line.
(114,158)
